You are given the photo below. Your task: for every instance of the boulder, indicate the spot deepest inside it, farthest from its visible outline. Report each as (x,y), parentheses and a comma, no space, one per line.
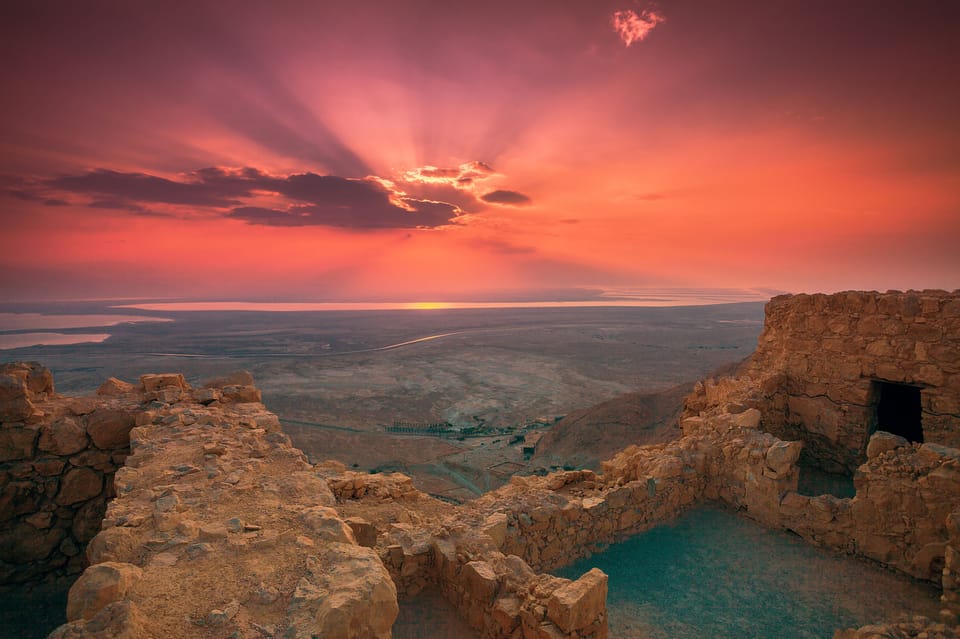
(98,586)
(110,428)
(63,437)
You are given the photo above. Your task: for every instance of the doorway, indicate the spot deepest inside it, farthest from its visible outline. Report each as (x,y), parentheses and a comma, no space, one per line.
(898,410)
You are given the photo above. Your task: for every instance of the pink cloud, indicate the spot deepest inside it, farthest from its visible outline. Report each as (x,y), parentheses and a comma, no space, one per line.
(632,26)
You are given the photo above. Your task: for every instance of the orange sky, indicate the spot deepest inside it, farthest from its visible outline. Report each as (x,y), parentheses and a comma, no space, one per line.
(410,151)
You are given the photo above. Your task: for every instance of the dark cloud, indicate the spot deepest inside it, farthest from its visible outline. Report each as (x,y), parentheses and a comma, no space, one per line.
(512,198)
(312,199)
(140,187)
(387,215)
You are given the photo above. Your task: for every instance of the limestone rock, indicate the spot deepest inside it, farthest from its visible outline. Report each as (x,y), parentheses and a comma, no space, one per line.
(155,382)
(782,455)
(110,428)
(79,484)
(880,442)
(63,437)
(480,580)
(495,527)
(114,387)
(37,378)
(579,603)
(324,523)
(240,394)
(98,586)
(346,594)
(15,405)
(749,418)
(118,620)
(17,441)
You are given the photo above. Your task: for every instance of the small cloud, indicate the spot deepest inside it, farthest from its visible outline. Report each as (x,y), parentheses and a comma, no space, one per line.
(461,177)
(632,27)
(570,220)
(511,198)
(650,197)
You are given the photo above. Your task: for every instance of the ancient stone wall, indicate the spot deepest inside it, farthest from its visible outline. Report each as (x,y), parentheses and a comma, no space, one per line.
(220,526)
(820,358)
(57,461)
(904,491)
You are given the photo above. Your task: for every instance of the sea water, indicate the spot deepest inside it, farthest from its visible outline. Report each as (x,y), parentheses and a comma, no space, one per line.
(712,573)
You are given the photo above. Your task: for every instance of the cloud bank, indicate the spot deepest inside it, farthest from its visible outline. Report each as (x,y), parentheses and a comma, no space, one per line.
(424,197)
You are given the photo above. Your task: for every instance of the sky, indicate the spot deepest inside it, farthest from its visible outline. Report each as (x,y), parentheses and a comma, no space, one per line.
(427,150)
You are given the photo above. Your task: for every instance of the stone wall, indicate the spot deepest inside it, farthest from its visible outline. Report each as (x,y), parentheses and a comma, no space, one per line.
(904,492)
(819,358)
(57,461)
(220,527)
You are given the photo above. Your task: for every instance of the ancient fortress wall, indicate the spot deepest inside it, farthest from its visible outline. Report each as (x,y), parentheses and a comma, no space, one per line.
(220,527)
(56,473)
(824,360)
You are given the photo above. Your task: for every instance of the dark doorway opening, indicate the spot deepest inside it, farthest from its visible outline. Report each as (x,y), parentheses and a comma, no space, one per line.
(898,410)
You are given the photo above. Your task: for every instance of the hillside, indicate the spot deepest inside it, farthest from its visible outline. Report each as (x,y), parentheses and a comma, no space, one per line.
(587,436)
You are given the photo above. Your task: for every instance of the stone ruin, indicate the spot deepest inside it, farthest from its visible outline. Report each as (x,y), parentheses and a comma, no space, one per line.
(216,526)
(831,370)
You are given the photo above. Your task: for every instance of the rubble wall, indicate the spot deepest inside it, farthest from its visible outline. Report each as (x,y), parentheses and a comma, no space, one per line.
(825,352)
(57,461)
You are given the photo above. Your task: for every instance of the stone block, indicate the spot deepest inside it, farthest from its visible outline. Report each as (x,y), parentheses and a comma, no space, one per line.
(79,484)
(62,437)
(881,441)
(17,441)
(480,580)
(495,527)
(114,387)
(155,382)
(579,603)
